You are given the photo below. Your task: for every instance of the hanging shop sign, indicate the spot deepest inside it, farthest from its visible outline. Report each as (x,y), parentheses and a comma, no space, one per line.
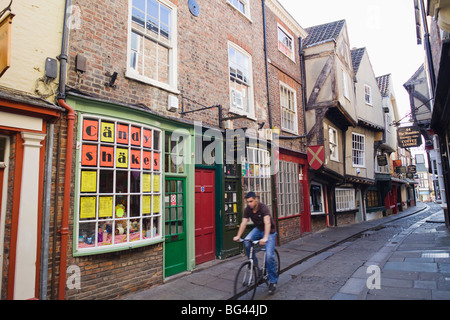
(382,160)
(412,169)
(409,137)
(316,156)
(5,43)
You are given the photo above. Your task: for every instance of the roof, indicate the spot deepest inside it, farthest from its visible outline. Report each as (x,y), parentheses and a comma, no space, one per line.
(357,55)
(383,84)
(323,33)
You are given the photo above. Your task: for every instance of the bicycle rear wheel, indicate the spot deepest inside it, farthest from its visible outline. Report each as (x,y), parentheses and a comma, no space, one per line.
(245,282)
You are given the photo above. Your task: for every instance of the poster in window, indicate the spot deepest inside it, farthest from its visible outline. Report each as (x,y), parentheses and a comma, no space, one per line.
(155,204)
(156,183)
(146,204)
(105,207)
(146,182)
(87,207)
(88,181)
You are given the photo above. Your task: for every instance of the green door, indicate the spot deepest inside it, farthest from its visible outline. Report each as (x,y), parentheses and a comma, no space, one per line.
(175,226)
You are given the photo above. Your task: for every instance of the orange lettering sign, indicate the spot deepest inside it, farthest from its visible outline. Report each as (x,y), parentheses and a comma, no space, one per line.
(90,130)
(146,160)
(106,156)
(135,162)
(135,136)
(89,155)
(147,138)
(122,133)
(156,161)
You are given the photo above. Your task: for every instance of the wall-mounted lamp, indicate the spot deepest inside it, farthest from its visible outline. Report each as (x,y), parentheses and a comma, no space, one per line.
(112,80)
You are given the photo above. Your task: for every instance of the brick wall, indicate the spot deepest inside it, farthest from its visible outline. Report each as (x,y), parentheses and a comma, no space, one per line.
(289,229)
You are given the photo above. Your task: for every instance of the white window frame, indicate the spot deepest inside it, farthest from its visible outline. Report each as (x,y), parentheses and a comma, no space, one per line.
(288,189)
(285,110)
(358,149)
(235,95)
(171,44)
(322,199)
(368,94)
(256,174)
(345,85)
(156,217)
(236,4)
(345,199)
(281,44)
(334,155)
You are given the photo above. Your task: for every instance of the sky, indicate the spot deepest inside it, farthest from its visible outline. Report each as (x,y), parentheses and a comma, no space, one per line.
(385,27)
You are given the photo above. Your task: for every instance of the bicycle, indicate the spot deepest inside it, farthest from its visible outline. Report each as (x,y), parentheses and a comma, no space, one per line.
(249,276)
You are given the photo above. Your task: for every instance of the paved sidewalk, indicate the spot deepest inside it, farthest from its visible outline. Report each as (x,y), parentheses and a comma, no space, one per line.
(214,280)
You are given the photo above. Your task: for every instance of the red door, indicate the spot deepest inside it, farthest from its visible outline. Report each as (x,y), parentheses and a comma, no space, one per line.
(205,207)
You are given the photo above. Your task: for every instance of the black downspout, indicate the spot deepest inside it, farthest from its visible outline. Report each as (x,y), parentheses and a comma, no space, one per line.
(269,111)
(303,80)
(63,57)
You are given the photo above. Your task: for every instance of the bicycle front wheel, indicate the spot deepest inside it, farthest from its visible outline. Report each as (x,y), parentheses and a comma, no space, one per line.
(245,282)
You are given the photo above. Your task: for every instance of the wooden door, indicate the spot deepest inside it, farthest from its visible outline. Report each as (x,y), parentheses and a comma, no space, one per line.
(175,226)
(205,207)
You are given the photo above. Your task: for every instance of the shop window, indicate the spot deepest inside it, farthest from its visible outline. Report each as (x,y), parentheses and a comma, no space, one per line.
(119,200)
(174,153)
(288,189)
(373,199)
(317,198)
(256,172)
(345,199)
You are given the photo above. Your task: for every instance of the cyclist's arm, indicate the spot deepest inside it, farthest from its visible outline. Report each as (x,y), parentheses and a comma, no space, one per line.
(241,229)
(267,226)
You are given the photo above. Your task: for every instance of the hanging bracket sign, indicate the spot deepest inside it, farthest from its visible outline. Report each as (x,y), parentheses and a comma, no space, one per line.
(409,137)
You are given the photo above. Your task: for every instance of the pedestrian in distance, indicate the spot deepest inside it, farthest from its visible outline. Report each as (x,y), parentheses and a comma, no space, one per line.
(264,231)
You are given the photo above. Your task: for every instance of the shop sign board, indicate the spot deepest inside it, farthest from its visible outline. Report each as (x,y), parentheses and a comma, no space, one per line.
(409,137)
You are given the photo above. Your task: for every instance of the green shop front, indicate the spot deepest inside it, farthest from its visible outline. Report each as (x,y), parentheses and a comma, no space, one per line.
(134,191)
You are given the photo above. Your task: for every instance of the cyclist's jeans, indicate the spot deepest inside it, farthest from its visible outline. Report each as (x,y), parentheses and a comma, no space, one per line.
(271,263)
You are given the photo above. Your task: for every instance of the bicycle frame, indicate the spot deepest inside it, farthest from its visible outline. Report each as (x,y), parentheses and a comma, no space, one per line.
(260,275)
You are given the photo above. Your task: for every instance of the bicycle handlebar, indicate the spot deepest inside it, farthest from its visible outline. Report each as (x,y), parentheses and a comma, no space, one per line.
(252,241)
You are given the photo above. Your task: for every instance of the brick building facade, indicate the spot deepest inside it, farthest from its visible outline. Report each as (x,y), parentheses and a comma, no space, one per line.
(153,84)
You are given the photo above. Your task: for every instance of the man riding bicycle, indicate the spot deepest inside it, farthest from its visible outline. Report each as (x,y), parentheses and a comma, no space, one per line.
(264,231)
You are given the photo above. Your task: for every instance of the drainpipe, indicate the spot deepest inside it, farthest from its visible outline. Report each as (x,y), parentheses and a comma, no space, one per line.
(269,111)
(64,231)
(46,215)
